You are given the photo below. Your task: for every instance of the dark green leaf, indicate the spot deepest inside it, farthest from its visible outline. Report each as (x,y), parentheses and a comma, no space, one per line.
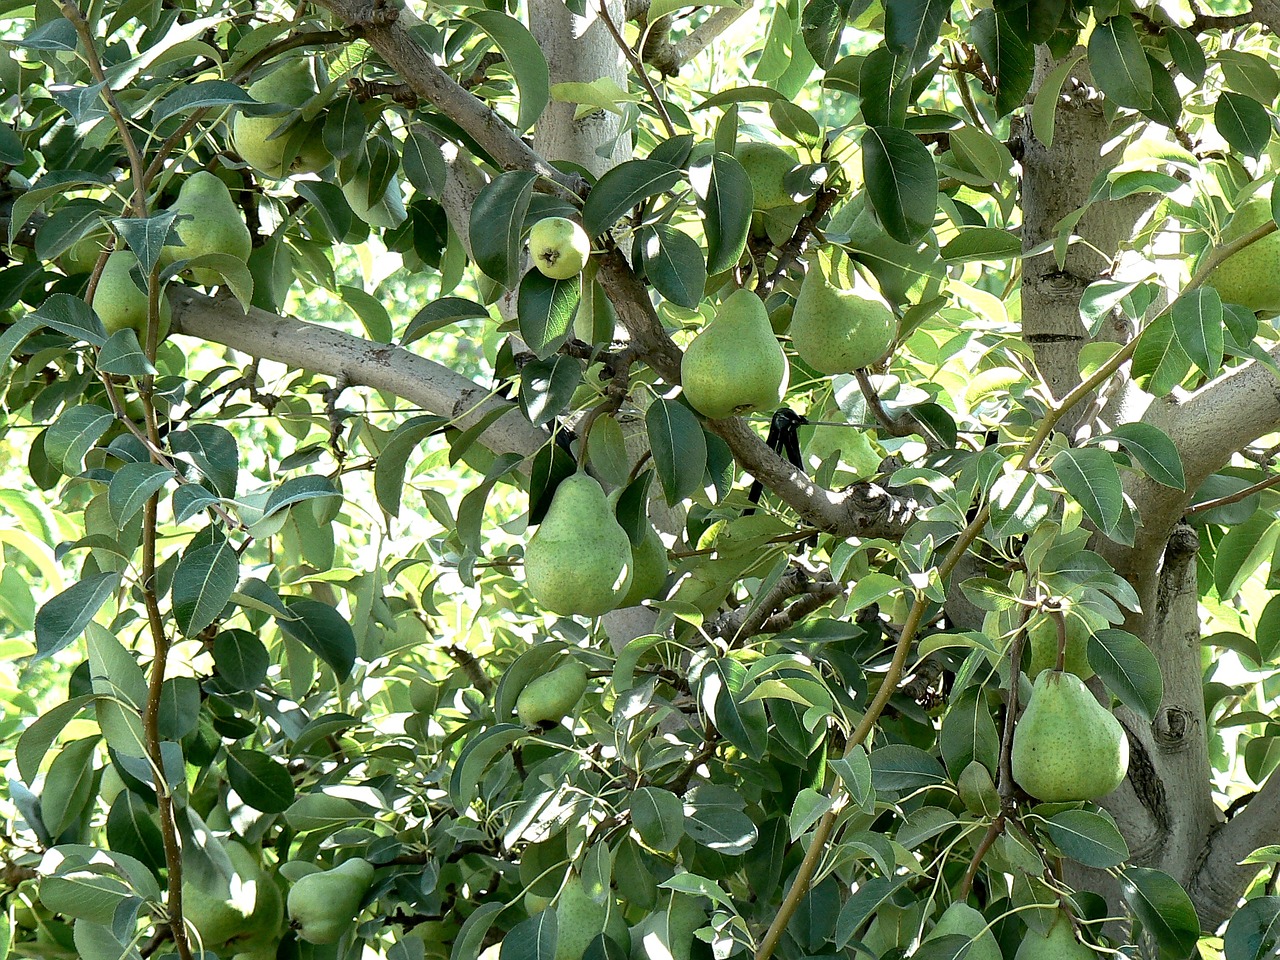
(1163,907)
(658,816)
(901,182)
(497,219)
(1243,122)
(901,768)
(1254,932)
(525,60)
(442,313)
(393,459)
(911,26)
(1091,479)
(262,781)
(547,387)
(1088,837)
(726,212)
(63,618)
(1154,451)
(673,263)
(1129,669)
(1009,57)
(679,448)
(73,434)
(323,631)
(622,188)
(198,96)
(202,586)
(545,309)
(1119,63)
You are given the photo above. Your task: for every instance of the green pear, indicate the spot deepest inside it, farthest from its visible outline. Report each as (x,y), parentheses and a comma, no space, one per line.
(120,303)
(766,166)
(977,790)
(552,695)
(579,919)
(1250,277)
(735,365)
(962,919)
(81,256)
(301,149)
(579,559)
(1058,944)
(1067,746)
(1042,635)
(322,906)
(246,908)
(388,212)
(214,225)
(837,331)
(649,567)
(559,247)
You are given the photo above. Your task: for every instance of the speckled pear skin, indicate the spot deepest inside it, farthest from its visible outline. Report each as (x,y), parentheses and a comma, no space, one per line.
(735,365)
(1059,944)
(963,920)
(579,559)
(1067,746)
(579,920)
(837,331)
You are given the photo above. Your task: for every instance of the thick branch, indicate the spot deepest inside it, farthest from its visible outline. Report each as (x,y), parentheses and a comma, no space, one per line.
(309,346)
(670,57)
(1216,886)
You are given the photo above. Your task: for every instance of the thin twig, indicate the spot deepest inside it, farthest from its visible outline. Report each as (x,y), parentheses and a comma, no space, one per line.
(638,67)
(1233,497)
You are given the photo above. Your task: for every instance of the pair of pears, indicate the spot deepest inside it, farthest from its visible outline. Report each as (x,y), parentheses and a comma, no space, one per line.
(264,143)
(580,560)
(323,905)
(1066,745)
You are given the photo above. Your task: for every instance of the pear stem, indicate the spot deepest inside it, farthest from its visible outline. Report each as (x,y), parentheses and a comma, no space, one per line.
(1060,621)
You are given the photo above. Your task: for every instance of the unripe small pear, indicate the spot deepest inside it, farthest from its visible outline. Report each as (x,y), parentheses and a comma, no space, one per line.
(552,695)
(559,247)
(254,136)
(579,919)
(735,365)
(322,906)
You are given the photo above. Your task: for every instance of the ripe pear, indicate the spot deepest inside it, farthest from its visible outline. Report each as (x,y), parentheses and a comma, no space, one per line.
(837,331)
(215,225)
(120,303)
(766,166)
(1250,277)
(1042,635)
(735,365)
(237,911)
(962,919)
(579,559)
(552,695)
(579,919)
(297,151)
(1058,944)
(1067,746)
(559,247)
(323,905)
(388,212)
(649,567)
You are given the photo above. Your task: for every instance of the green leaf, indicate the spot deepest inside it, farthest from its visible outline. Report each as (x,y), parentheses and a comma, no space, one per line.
(393,459)
(262,782)
(345,127)
(673,263)
(1008,55)
(1242,551)
(423,163)
(901,182)
(113,671)
(742,722)
(439,314)
(545,309)
(1155,452)
(497,219)
(35,741)
(213,449)
(622,188)
(478,752)
(607,451)
(822,26)
(982,244)
(202,586)
(679,448)
(68,785)
(1160,363)
(911,26)
(146,237)
(72,316)
(726,209)
(1088,837)
(1187,54)
(1119,64)
(1198,324)
(524,58)
(131,487)
(73,434)
(1243,122)
(298,490)
(547,387)
(240,659)
(854,771)
(470,939)
(1163,907)
(323,631)
(1091,479)
(658,817)
(532,939)
(62,619)
(200,96)
(1129,670)
(1253,932)
(901,768)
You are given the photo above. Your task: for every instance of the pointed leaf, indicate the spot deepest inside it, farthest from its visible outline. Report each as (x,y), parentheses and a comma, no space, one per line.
(679,448)
(901,181)
(1091,479)
(1129,670)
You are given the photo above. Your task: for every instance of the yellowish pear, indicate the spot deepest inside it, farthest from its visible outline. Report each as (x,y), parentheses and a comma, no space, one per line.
(838,331)
(735,365)
(300,150)
(579,559)
(209,222)
(120,303)
(1067,746)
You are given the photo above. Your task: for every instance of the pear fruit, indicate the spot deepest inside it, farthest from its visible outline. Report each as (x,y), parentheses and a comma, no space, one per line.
(1058,944)
(579,919)
(1067,746)
(977,790)
(579,559)
(120,303)
(552,695)
(735,365)
(322,906)
(559,247)
(301,149)
(387,212)
(214,225)
(961,919)
(238,912)
(1042,635)
(649,567)
(837,331)
(766,165)
(81,256)
(1250,277)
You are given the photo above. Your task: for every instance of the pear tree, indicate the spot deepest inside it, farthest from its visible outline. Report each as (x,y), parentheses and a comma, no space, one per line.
(601,480)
